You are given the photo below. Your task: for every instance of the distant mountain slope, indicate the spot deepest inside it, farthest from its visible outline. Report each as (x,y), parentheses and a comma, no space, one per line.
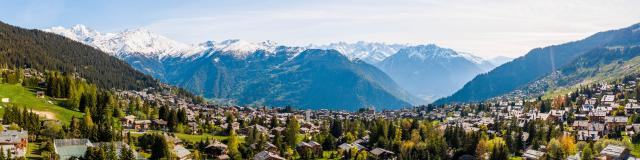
(253,73)
(326,79)
(46,51)
(598,65)
(536,64)
(432,72)
(286,76)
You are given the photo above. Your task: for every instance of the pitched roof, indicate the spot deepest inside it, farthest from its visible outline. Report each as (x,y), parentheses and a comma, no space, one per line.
(217,144)
(180,151)
(533,154)
(13,136)
(264,155)
(613,150)
(345,146)
(379,151)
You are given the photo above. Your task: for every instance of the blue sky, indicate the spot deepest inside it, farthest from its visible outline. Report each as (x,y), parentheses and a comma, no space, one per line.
(485,28)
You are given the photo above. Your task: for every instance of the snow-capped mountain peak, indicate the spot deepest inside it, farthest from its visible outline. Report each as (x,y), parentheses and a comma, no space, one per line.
(239,48)
(432,51)
(369,52)
(131,41)
(77,32)
(141,41)
(244,46)
(83,30)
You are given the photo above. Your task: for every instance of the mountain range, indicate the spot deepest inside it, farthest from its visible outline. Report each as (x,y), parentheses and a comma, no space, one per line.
(426,71)
(431,72)
(248,73)
(365,74)
(370,52)
(235,69)
(572,59)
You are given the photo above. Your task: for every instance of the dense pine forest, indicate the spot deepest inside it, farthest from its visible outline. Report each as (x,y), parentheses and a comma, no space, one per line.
(22,48)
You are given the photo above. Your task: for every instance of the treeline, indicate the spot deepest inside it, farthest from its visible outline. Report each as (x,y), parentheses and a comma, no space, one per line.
(79,94)
(23,118)
(100,122)
(38,130)
(108,151)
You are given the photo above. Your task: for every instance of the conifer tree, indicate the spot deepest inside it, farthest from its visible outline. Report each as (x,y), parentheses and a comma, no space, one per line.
(232,145)
(587,153)
(292,130)
(126,154)
(88,121)
(2,157)
(159,148)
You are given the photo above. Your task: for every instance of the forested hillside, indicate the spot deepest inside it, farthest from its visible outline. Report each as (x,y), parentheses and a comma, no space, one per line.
(598,65)
(23,48)
(536,64)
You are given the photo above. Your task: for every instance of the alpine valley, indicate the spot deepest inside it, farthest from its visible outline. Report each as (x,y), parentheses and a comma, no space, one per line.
(335,76)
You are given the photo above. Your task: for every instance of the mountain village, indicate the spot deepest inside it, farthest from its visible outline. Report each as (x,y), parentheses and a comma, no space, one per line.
(603,116)
(79,94)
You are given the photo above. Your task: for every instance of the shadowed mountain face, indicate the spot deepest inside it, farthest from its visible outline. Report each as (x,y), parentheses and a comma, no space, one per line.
(598,65)
(289,76)
(232,69)
(252,73)
(538,63)
(431,72)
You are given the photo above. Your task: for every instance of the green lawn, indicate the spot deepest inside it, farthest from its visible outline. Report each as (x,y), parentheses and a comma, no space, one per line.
(24,97)
(515,158)
(194,137)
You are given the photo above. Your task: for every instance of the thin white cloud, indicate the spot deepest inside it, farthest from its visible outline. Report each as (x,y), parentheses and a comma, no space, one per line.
(485,28)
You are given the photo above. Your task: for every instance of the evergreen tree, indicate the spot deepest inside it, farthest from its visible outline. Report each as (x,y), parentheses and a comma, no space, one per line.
(110,151)
(159,148)
(232,146)
(2,156)
(274,121)
(587,153)
(336,128)
(292,130)
(126,154)
(9,155)
(230,119)
(87,120)
(95,153)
